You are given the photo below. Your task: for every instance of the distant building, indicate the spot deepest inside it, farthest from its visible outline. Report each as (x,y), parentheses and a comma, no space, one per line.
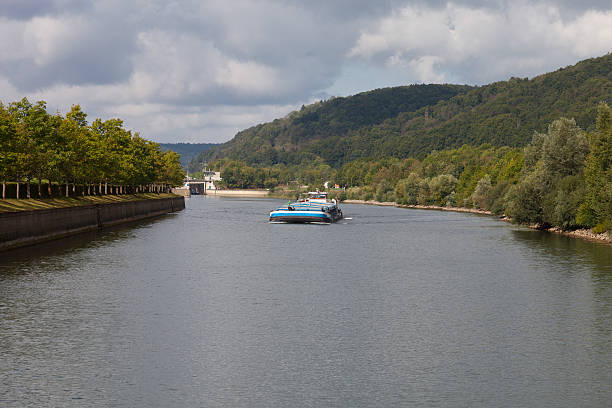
(211,177)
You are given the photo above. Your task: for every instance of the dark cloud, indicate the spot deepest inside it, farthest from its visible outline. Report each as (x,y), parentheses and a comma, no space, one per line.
(27,9)
(101,55)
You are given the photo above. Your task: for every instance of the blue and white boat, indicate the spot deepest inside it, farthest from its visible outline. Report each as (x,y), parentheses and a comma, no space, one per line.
(316,208)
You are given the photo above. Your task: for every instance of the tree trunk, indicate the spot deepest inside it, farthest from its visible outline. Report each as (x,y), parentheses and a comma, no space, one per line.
(67,190)
(18,187)
(105,187)
(39,185)
(4,187)
(28,189)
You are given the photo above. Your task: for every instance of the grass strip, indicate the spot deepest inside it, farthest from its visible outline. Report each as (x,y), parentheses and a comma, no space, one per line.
(14,205)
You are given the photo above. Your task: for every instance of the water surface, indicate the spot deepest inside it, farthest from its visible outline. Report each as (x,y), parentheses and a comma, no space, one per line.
(214,307)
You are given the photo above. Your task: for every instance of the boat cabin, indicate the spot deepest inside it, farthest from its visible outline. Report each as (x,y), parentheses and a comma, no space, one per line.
(317,195)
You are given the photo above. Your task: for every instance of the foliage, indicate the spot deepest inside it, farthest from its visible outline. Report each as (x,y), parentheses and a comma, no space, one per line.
(548,193)
(66,150)
(596,211)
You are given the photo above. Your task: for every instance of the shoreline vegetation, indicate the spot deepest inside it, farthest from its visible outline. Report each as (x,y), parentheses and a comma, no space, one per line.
(582,233)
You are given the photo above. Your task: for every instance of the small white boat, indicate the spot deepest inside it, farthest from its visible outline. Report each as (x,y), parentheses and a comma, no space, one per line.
(316,208)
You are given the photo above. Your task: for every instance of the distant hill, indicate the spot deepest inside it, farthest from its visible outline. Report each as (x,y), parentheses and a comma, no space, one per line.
(187,150)
(415,120)
(281,139)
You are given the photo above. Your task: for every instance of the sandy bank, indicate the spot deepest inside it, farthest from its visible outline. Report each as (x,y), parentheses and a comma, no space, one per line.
(238,193)
(420,207)
(581,233)
(584,234)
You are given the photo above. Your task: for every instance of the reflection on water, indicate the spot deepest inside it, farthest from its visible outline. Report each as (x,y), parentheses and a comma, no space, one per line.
(13,260)
(561,248)
(216,307)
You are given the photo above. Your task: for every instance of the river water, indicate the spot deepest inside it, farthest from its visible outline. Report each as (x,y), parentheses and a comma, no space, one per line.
(215,307)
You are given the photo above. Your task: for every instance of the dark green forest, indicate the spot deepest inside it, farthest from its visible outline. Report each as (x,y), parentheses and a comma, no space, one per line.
(292,139)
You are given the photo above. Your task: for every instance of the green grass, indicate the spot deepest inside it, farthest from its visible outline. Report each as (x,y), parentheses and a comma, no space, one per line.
(12,205)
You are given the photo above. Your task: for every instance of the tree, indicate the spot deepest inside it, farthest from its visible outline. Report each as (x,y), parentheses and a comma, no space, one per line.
(596,211)
(441,187)
(479,196)
(407,189)
(554,163)
(8,141)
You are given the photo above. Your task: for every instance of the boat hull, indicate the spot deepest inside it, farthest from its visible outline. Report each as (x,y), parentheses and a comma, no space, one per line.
(300,218)
(304,217)
(316,210)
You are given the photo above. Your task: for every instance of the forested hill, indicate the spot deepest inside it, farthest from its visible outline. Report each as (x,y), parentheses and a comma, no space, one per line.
(280,140)
(187,150)
(412,121)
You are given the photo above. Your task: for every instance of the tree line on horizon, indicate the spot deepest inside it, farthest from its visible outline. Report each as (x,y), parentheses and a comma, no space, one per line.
(66,152)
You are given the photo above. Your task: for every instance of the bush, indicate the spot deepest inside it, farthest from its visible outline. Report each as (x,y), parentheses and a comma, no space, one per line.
(566,198)
(479,196)
(496,200)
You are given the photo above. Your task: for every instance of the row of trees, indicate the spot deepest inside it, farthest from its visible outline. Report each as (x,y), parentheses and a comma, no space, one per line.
(101,157)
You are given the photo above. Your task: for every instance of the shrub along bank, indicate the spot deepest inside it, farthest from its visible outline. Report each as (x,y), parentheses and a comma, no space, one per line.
(562,179)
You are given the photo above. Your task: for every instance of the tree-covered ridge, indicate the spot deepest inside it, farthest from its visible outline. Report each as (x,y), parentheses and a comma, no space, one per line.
(35,145)
(287,140)
(502,114)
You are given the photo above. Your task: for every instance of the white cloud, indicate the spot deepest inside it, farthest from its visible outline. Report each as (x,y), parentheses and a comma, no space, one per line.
(481,45)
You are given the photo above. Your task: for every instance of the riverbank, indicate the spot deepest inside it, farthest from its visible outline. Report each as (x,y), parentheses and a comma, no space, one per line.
(580,233)
(12,205)
(26,227)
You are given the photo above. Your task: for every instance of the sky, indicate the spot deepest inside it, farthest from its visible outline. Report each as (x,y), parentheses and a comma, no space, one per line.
(200,70)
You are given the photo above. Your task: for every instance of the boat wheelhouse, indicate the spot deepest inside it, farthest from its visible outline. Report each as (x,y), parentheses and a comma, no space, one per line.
(315,208)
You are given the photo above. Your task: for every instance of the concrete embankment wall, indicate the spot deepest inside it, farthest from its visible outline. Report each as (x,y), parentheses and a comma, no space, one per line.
(29,227)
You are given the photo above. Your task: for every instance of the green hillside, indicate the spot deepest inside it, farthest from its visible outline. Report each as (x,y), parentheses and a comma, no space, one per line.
(502,114)
(283,140)
(412,121)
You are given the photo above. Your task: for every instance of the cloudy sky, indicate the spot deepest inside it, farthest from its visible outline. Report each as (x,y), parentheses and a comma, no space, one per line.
(200,70)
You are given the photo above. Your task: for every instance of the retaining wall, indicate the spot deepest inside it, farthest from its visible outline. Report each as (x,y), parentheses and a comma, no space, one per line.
(29,227)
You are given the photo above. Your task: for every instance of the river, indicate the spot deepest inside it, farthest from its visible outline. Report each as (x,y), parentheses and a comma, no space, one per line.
(215,307)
